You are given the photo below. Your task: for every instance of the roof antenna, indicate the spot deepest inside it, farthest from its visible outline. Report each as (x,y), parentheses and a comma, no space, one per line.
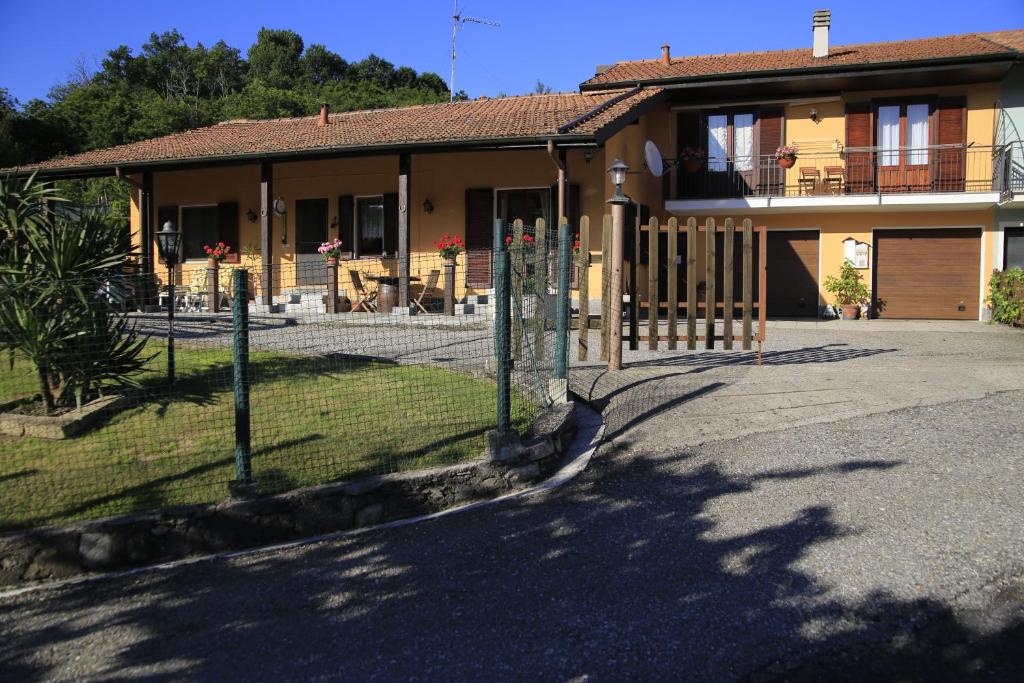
(458,19)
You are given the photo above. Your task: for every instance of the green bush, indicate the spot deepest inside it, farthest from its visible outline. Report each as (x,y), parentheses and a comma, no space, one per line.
(849,287)
(1007,296)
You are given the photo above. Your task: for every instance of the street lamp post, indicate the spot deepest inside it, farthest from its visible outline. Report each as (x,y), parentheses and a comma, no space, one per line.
(617,173)
(168,239)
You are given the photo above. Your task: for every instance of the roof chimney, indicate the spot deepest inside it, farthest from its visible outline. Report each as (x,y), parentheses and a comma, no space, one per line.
(822,20)
(666,54)
(324,111)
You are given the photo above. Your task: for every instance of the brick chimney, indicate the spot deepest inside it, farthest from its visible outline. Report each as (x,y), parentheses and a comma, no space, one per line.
(324,111)
(821,22)
(666,54)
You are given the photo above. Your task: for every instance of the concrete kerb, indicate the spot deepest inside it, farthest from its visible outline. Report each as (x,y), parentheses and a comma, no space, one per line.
(573,459)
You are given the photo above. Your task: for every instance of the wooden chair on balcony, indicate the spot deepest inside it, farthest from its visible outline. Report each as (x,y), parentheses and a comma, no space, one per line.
(807,183)
(835,179)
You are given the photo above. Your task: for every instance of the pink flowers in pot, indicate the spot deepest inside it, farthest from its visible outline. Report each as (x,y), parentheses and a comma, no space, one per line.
(330,249)
(787,152)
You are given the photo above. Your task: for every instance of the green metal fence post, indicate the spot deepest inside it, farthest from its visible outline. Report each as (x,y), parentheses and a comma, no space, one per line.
(502,326)
(562,307)
(240,324)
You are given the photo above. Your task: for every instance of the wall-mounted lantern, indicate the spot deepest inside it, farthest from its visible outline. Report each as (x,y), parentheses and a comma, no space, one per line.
(428,206)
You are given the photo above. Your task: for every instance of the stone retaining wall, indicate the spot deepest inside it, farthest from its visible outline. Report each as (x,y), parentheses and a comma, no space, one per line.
(149,538)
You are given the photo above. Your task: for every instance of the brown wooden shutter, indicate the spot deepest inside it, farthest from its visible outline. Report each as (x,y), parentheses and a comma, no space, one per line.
(164,214)
(950,165)
(391,223)
(860,166)
(479,236)
(227,214)
(346,223)
(771,136)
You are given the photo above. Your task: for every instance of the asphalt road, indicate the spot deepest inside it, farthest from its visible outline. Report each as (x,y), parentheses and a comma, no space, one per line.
(851,509)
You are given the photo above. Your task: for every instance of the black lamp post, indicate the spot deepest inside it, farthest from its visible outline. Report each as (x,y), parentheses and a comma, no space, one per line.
(168,239)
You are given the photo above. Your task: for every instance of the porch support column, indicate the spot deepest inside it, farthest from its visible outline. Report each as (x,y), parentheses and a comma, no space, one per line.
(266,231)
(563,180)
(404,194)
(146,222)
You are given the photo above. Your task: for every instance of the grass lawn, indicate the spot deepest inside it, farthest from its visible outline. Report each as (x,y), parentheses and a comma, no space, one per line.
(314,419)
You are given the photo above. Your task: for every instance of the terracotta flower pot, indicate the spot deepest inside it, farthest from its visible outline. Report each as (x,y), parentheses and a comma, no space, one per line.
(449,262)
(787,162)
(693,165)
(850,311)
(332,261)
(212,263)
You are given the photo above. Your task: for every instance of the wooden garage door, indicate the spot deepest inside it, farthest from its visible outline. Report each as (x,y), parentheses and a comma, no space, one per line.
(927,273)
(792,271)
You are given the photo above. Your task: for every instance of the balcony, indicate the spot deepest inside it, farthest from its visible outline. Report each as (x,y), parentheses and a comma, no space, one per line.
(854,176)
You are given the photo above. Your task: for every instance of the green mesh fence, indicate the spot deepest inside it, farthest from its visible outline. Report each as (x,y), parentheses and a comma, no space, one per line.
(371,387)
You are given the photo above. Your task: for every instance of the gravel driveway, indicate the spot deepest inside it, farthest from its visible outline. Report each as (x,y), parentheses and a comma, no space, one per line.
(852,508)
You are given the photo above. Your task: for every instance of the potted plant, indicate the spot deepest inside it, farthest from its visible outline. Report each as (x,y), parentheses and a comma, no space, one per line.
(331,251)
(848,289)
(786,155)
(216,254)
(692,158)
(448,248)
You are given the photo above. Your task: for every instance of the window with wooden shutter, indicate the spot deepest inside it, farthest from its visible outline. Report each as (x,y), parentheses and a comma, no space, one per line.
(228,214)
(391,223)
(346,224)
(479,236)
(860,166)
(771,136)
(950,161)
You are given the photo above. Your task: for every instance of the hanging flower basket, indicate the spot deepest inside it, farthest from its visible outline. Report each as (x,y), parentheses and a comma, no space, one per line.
(692,159)
(786,156)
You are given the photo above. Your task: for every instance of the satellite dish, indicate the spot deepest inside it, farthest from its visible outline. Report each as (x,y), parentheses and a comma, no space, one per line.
(656,163)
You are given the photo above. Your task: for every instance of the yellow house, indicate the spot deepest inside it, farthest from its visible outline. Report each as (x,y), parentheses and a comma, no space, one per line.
(896,168)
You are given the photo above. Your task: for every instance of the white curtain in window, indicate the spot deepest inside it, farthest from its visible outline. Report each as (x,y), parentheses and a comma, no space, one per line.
(889,136)
(743,142)
(917,133)
(718,139)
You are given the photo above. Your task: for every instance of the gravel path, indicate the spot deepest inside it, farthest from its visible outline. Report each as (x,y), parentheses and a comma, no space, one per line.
(850,509)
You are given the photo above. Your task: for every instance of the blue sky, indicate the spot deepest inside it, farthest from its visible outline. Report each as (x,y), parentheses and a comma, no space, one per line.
(556,42)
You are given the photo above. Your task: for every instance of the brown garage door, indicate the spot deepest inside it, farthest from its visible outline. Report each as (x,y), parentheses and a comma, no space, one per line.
(931,273)
(792,273)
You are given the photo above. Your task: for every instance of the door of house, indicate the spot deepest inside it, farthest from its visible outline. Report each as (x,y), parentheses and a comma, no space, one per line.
(902,136)
(310,232)
(731,159)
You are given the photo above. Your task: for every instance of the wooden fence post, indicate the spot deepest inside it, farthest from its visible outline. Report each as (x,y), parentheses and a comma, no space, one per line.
(727,275)
(583,260)
(709,280)
(691,284)
(653,266)
(672,247)
(748,282)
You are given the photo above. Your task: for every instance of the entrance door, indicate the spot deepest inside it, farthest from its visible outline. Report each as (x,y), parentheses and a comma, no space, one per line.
(310,233)
(931,273)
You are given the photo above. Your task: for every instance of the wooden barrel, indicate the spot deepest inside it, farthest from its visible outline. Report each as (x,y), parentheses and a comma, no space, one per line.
(387,297)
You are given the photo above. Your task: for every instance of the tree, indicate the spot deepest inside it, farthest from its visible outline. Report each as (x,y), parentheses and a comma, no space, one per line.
(321,66)
(541,88)
(275,58)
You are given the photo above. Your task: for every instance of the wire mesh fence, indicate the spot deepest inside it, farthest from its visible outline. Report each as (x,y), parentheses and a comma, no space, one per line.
(350,370)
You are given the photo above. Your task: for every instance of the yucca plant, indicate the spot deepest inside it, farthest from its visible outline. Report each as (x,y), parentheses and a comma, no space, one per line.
(57,270)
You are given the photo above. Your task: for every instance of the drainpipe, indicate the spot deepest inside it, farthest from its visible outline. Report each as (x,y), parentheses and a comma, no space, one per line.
(559,162)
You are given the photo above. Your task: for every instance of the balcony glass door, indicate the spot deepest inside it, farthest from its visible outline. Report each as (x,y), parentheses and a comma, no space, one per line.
(903,148)
(730,146)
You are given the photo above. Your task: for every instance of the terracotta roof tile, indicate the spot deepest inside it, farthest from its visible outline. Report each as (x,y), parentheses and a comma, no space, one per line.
(946,47)
(503,119)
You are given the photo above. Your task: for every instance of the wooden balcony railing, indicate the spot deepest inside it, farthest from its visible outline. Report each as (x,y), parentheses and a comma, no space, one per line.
(854,171)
